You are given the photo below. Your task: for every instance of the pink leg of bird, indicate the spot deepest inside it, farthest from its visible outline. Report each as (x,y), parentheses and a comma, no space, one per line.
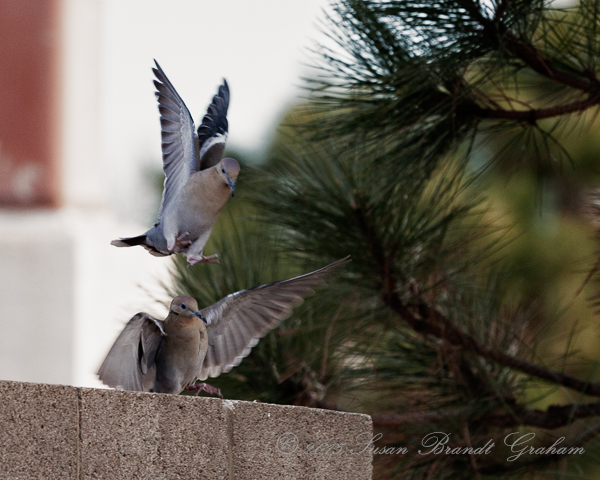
(181,243)
(199,387)
(192,260)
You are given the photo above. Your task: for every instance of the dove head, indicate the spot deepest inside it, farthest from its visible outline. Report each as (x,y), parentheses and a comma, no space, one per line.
(228,170)
(186,307)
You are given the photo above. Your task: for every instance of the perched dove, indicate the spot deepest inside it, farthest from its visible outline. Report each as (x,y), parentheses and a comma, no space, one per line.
(168,356)
(197,181)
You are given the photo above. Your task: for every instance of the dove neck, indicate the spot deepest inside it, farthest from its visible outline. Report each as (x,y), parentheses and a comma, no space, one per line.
(208,189)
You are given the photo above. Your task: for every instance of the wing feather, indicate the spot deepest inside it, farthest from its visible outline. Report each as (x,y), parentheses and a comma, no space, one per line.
(239,320)
(179,139)
(130,363)
(212,132)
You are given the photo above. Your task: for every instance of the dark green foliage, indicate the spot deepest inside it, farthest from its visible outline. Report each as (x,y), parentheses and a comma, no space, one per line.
(422,77)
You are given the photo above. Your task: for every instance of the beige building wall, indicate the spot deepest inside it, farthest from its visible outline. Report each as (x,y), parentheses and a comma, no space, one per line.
(65,292)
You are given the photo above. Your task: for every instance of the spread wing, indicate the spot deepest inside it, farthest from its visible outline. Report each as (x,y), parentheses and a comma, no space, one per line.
(130,363)
(239,320)
(212,133)
(179,139)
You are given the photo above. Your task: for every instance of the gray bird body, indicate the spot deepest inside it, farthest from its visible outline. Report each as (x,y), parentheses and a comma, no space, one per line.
(198,182)
(168,356)
(203,188)
(180,356)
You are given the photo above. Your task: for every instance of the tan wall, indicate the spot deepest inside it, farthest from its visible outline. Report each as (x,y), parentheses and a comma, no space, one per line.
(65,292)
(55,431)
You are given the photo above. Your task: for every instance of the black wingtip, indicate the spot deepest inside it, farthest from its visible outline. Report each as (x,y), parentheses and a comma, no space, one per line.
(224,92)
(157,71)
(160,75)
(334,267)
(339,263)
(214,121)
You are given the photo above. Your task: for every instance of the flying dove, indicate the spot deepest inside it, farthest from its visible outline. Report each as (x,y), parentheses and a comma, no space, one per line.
(197,181)
(168,356)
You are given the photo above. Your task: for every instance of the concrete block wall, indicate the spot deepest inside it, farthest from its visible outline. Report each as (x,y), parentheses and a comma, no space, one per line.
(62,432)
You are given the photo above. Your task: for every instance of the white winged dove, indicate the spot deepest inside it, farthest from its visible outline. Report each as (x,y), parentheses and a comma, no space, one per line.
(197,181)
(168,356)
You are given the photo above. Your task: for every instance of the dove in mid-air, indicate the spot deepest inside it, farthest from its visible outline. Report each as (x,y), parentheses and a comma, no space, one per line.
(198,182)
(168,356)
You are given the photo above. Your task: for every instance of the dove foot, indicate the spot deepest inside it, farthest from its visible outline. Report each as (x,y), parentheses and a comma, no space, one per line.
(192,260)
(181,243)
(199,387)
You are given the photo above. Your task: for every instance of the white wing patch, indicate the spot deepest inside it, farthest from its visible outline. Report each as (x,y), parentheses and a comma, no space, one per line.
(211,142)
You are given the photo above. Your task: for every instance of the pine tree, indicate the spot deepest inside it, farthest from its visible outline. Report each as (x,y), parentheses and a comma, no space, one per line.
(416,116)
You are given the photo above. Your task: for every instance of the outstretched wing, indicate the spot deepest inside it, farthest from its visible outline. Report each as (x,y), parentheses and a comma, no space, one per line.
(130,363)
(179,139)
(212,133)
(239,320)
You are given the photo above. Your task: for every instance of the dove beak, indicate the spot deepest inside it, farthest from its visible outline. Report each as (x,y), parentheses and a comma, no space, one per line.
(198,313)
(231,184)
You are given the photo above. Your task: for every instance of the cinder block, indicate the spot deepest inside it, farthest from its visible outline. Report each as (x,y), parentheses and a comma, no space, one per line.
(285,442)
(59,432)
(38,433)
(144,435)
(193,436)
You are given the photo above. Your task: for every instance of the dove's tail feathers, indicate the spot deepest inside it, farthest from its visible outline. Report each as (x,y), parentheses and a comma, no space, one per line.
(130,242)
(139,240)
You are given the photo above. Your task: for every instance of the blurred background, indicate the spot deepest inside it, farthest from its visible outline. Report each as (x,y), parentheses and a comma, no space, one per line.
(80,160)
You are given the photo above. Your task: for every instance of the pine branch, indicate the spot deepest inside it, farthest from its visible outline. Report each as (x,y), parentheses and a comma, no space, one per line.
(533,115)
(431,322)
(412,418)
(533,59)
(392,92)
(527,53)
(505,467)
(428,321)
(556,416)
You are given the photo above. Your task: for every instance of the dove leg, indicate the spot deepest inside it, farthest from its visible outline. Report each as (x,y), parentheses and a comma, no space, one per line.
(194,252)
(199,387)
(193,260)
(181,242)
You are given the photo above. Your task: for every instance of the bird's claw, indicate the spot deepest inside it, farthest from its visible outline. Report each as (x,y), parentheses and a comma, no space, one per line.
(192,260)
(199,387)
(181,243)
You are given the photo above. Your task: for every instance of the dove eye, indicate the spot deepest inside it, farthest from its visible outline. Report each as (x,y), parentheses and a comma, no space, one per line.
(183,306)
(223,169)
